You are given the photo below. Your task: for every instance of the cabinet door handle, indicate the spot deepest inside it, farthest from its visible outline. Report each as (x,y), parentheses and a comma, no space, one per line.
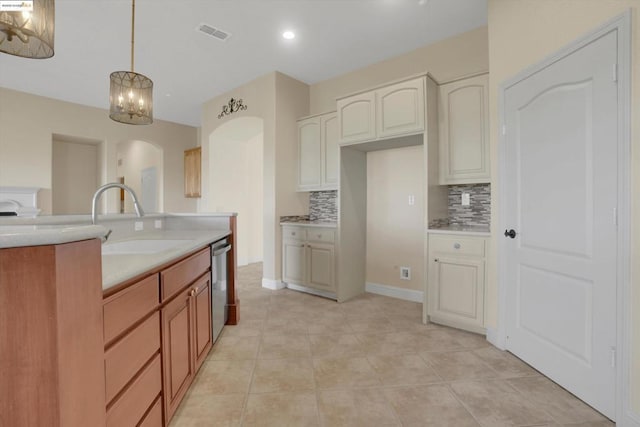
(435,260)
(193,292)
(302,245)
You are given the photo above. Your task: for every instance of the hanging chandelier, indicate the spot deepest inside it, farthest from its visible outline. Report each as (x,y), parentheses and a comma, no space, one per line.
(131,94)
(26,28)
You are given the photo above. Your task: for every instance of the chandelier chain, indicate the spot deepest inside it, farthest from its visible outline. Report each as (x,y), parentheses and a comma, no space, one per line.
(133,21)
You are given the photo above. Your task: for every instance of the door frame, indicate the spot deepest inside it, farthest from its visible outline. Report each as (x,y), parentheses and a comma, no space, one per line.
(622,23)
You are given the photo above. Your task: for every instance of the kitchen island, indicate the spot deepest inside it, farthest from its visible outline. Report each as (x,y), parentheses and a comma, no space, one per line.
(54,287)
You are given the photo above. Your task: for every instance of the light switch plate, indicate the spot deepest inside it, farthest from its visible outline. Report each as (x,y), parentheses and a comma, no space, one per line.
(466,199)
(138,226)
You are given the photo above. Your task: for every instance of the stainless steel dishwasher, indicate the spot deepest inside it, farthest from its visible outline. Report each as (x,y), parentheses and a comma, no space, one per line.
(219,312)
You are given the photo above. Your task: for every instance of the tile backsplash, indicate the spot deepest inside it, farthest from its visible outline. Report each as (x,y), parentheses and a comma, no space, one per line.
(479,210)
(323,206)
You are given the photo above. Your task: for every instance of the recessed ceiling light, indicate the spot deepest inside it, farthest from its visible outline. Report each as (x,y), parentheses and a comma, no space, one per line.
(288,35)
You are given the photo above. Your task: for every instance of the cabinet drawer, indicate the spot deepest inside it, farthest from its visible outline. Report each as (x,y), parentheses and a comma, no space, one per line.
(295,233)
(320,235)
(176,277)
(123,309)
(457,245)
(131,406)
(154,416)
(128,355)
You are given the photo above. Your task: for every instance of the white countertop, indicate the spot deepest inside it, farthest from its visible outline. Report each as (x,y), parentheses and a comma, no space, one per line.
(472,230)
(12,236)
(308,223)
(118,268)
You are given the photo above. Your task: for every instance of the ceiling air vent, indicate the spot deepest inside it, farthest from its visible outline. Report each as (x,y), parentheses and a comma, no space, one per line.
(213,32)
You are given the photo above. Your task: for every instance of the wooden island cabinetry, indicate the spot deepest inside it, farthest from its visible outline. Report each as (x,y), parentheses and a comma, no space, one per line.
(51,353)
(157,333)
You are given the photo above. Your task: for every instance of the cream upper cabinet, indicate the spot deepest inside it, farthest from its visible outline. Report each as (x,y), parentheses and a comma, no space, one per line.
(400,108)
(456,284)
(464,131)
(309,154)
(331,163)
(393,110)
(318,153)
(357,118)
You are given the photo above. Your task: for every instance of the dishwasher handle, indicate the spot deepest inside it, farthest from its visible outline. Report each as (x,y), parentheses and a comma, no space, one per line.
(223,250)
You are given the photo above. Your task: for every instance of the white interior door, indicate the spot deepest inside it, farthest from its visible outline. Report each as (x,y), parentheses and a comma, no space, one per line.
(149,185)
(561,200)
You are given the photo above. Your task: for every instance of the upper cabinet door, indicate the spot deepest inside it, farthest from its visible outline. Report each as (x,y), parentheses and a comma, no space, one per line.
(464,131)
(331,164)
(356,118)
(400,108)
(309,154)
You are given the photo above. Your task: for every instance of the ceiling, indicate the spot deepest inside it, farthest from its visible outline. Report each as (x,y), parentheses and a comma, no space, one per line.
(333,37)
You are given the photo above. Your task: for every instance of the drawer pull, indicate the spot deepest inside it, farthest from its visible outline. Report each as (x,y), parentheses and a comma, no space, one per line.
(319,236)
(293,233)
(456,246)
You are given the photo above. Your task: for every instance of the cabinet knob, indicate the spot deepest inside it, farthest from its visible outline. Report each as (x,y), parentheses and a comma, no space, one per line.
(293,233)
(319,236)
(193,292)
(435,260)
(456,246)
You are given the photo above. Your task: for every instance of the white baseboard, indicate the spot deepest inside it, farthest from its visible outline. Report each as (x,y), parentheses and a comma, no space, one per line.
(393,292)
(272,284)
(494,338)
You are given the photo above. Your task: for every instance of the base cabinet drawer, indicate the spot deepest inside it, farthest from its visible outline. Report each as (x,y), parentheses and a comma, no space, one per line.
(128,306)
(127,356)
(154,416)
(130,408)
(176,277)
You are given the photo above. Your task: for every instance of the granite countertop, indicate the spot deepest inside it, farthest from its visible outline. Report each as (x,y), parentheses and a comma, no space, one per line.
(116,268)
(475,230)
(310,223)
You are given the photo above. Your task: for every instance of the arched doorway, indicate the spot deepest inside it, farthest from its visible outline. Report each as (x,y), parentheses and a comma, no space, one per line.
(139,165)
(236,181)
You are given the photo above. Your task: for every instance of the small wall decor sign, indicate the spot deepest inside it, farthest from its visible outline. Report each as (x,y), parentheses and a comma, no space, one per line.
(232,106)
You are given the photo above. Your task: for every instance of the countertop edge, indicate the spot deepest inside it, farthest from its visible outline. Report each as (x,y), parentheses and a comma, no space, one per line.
(51,236)
(459,232)
(310,224)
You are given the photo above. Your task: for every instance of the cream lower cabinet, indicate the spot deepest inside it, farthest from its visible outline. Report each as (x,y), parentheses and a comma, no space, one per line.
(308,258)
(456,284)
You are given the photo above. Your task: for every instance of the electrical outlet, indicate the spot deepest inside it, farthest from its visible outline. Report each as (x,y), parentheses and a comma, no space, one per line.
(158,223)
(466,199)
(138,225)
(405,273)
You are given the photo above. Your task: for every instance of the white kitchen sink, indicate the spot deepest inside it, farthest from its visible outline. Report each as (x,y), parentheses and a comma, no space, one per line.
(140,247)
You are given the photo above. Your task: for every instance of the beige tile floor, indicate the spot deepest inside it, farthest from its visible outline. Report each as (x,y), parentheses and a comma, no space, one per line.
(300,360)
